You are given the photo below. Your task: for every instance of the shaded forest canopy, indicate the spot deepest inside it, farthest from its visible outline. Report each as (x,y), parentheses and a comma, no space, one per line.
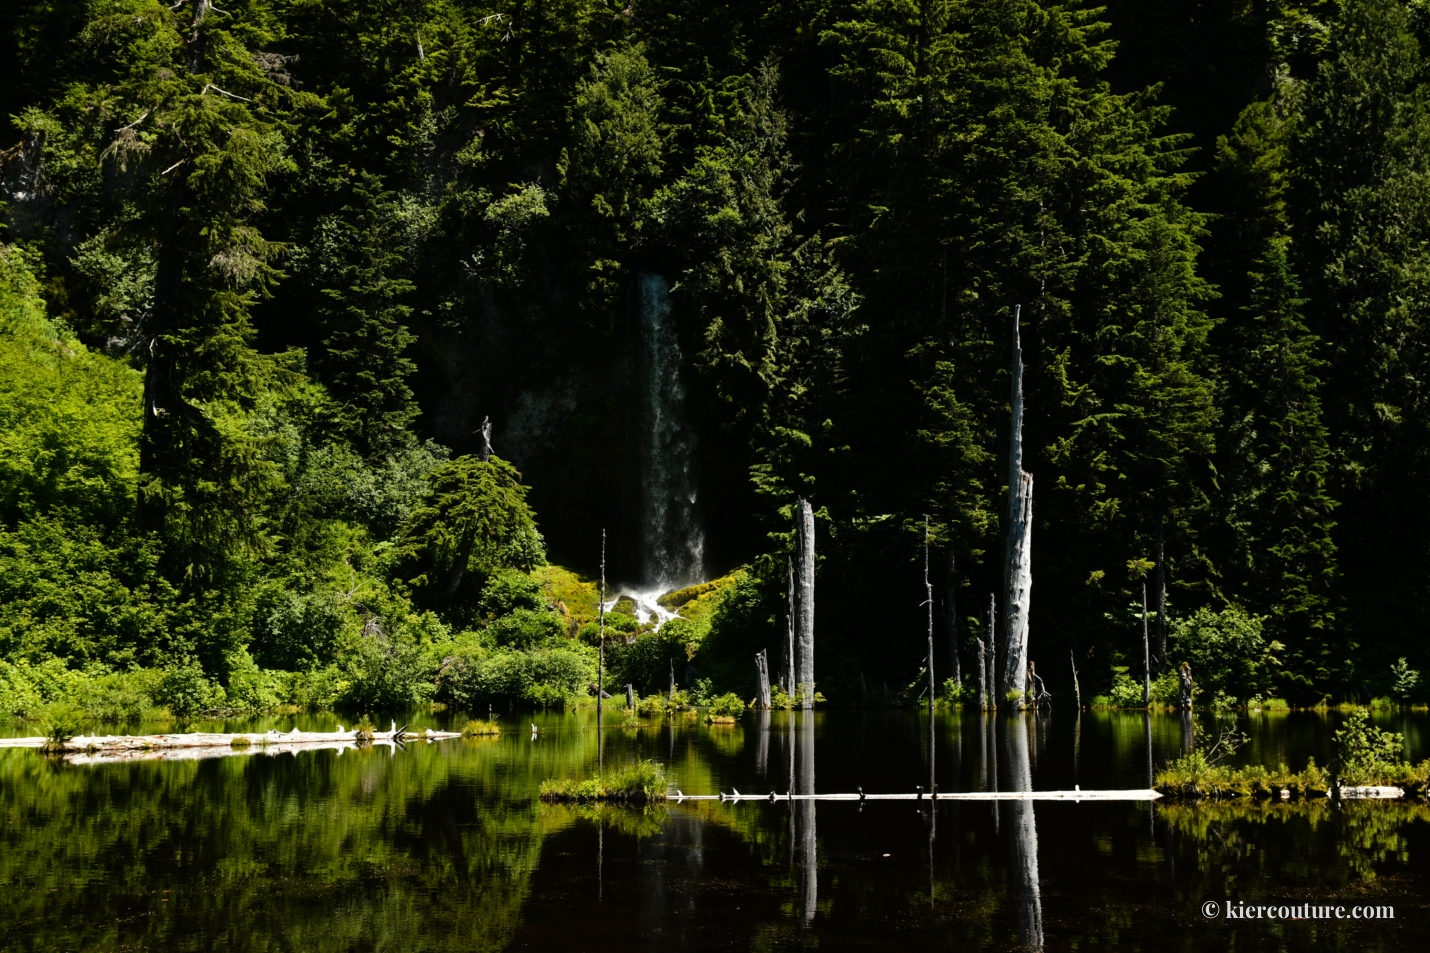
(267,267)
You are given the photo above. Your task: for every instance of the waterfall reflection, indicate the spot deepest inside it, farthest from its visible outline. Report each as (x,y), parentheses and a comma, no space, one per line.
(1022,833)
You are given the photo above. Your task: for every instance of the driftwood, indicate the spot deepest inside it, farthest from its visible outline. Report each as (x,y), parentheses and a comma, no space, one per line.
(921,795)
(191,741)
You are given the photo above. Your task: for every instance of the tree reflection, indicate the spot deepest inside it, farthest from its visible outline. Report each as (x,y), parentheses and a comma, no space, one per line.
(1022,832)
(804,812)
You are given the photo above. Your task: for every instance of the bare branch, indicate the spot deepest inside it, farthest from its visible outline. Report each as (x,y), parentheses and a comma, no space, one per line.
(173,167)
(134,123)
(211,86)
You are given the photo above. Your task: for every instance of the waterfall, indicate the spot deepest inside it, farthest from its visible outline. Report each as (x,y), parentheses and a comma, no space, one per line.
(672,541)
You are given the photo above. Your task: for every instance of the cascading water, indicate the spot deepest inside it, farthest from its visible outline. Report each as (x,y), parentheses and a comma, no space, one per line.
(672,544)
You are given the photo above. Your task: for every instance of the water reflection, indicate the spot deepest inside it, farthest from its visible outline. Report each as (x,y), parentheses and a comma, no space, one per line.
(444,848)
(803,816)
(1022,830)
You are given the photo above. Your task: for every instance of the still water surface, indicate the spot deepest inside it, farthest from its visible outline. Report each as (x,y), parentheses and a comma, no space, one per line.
(444,847)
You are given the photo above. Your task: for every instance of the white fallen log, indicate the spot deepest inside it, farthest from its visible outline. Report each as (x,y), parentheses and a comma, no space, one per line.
(1077,795)
(238,740)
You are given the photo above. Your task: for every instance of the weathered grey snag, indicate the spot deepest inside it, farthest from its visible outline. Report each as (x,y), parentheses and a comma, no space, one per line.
(804,603)
(630,696)
(1077,692)
(601,657)
(789,626)
(1019,588)
(992,704)
(951,604)
(486,449)
(928,593)
(982,676)
(1162,594)
(762,668)
(1146,655)
(1018,567)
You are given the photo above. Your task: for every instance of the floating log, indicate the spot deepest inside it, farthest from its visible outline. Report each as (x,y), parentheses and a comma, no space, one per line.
(191,740)
(1076,795)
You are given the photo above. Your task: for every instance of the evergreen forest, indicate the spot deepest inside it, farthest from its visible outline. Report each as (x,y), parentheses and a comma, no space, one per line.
(320,343)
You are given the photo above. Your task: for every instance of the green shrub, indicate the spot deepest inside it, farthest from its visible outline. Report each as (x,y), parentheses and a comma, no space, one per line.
(1403,680)
(1126,691)
(728,705)
(639,783)
(249,687)
(1362,751)
(185,690)
(510,590)
(19,696)
(475,677)
(315,690)
(295,629)
(121,697)
(526,628)
(1227,651)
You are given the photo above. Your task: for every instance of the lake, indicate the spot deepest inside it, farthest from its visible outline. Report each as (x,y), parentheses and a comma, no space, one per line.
(444,846)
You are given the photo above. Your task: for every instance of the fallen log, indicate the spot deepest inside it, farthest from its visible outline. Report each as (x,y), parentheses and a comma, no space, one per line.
(919,795)
(191,740)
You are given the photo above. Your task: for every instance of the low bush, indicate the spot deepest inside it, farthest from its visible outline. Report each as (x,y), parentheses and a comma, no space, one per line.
(639,783)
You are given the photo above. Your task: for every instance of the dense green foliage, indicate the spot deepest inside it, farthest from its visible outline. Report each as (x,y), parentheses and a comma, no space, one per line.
(266,268)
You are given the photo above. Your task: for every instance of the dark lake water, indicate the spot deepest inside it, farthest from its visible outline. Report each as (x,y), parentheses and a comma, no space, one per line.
(444,846)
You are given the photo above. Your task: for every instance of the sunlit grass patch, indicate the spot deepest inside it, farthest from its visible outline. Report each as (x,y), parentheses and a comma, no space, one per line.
(639,783)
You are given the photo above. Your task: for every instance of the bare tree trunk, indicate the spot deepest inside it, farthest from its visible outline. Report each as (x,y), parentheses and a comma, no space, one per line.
(1146,655)
(954,662)
(1162,595)
(762,669)
(928,593)
(601,658)
(1018,568)
(630,696)
(789,625)
(804,604)
(982,676)
(1077,692)
(991,702)
(486,448)
(1019,581)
